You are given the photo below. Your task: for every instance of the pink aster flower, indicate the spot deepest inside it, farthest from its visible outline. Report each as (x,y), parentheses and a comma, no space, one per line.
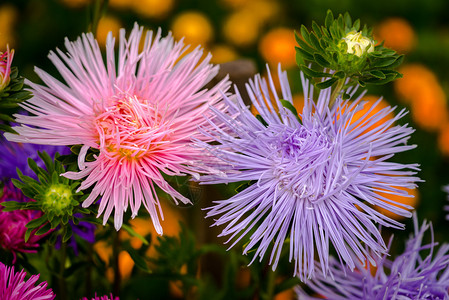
(13,286)
(5,67)
(139,111)
(12,224)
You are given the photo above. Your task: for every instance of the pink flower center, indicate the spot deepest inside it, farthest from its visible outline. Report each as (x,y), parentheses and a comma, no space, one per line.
(130,128)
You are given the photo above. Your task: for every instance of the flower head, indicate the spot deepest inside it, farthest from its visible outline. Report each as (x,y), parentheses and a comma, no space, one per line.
(15,155)
(410,275)
(5,67)
(314,176)
(12,224)
(13,286)
(358,44)
(139,116)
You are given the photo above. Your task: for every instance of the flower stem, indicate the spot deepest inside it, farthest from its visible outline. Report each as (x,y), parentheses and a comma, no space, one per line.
(115,263)
(336,91)
(62,284)
(271,277)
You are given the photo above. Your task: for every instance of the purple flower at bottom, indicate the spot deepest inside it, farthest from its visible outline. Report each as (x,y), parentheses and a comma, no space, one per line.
(15,155)
(13,224)
(105,297)
(409,276)
(315,177)
(14,287)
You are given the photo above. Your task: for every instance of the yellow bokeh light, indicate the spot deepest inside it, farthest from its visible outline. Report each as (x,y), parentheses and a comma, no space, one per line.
(194,26)
(396,33)
(155,9)
(278,46)
(242,28)
(105,25)
(222,54)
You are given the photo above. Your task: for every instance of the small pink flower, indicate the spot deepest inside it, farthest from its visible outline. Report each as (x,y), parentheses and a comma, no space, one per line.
(5,67)
(13,286)
(12,224)
(139,111)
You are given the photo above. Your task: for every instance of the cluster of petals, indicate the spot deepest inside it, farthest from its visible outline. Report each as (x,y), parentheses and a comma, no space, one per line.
(13,286)
(420,272)
(13,224)
(314,178)
(136,113)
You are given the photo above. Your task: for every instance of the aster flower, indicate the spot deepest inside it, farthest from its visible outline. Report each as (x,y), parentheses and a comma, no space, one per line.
(5,67)
(139,116)
(315,177)
(13,224)
(13,286)
(15,155)
(105,297)
(410,275)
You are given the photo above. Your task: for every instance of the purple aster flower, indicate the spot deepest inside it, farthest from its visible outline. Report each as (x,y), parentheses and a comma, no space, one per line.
(315,177)
(13,286)
(13,224)
(15,155)
(105,297)
(409,276)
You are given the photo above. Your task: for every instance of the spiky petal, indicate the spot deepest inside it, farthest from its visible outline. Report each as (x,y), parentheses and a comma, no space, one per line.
(139,111)
(410,275)
(315,176)
(13,286)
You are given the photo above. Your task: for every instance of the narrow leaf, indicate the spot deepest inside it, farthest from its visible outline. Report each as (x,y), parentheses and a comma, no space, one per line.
(325,84)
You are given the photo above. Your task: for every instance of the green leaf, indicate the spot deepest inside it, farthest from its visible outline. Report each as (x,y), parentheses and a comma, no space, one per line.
(306,47)
(304,54)
(356,25)
(312,73)
(339,75)
(329,19)
(325,84)
(67,234)
(288,105)
(305,34)
(36,222)
(44,229)
(261,120)
(315,42)
(11,205)
(377,74)
(138,260)
(28,234)
(383,62)
(321,60)
(348,20)
(316,29)
(132,232)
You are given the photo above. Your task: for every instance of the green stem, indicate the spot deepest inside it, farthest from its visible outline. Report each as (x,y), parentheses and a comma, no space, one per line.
(115,263)
(271,282)
(62,284)
(336,91)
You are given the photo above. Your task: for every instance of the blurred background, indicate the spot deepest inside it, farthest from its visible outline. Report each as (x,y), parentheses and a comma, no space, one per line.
(263,32)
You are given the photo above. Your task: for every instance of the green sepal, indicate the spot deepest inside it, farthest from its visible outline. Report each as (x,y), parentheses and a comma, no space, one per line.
(11,205)
(44,229)
(312,73)
(261,120)
(67,233)
(325,84)
(288,105)
(36,222)
(321,60)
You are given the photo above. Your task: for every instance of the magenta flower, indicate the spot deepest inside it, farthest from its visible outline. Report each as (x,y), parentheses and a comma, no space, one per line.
(12,224)
(105,297)
(420,272)
(13,286)
(138,111)
(5,67)
(313,178)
